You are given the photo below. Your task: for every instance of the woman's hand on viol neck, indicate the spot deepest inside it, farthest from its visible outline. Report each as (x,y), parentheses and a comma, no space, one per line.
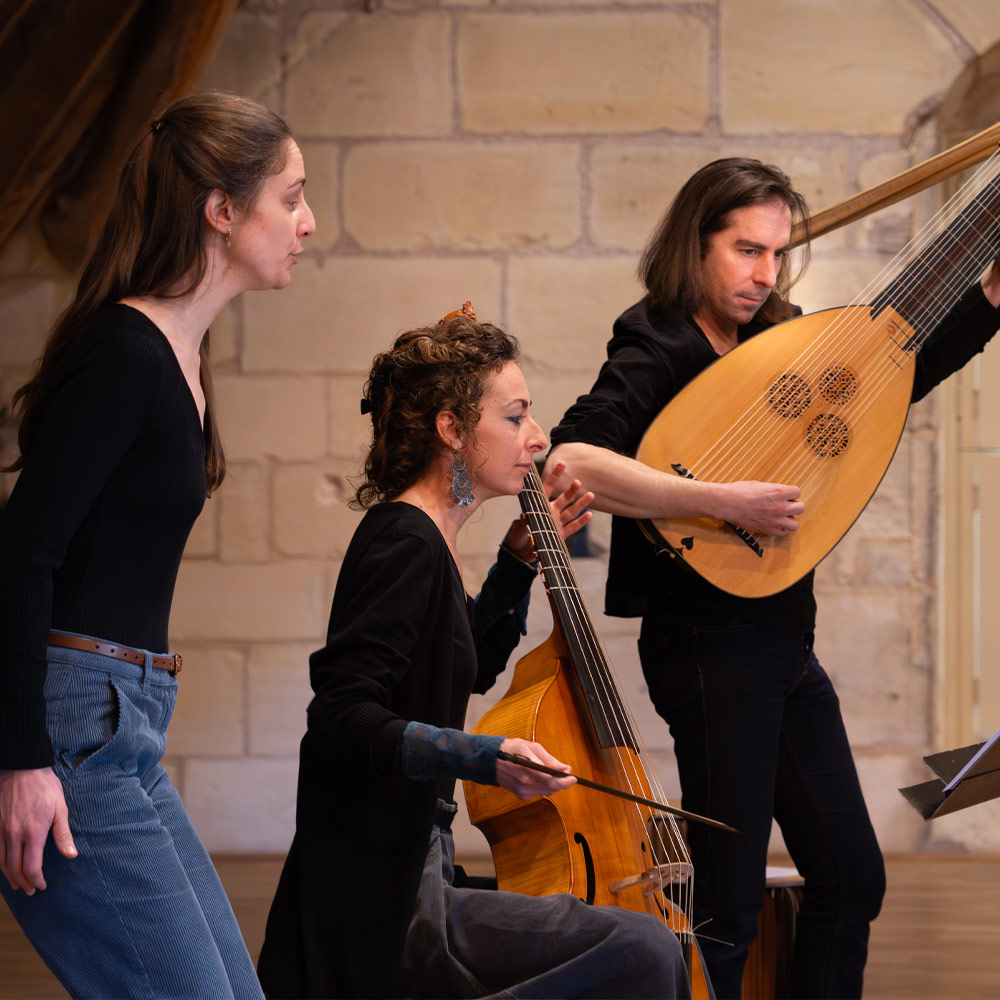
(569,509)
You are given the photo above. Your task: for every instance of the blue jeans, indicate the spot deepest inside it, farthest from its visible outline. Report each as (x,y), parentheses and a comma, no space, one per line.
(141,911)
(758,733)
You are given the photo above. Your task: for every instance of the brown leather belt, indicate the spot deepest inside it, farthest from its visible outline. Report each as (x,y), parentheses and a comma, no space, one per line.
(171,663)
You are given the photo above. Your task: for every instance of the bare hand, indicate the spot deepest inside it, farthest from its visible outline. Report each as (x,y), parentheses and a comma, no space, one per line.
(522,781)
(991,283)
(31,803)
(569,509)
(761,508)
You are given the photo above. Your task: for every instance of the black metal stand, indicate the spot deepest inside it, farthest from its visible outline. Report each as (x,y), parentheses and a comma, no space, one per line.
(965,777)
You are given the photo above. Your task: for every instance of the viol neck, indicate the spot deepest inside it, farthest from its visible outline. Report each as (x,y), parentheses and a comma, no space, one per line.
(597,685)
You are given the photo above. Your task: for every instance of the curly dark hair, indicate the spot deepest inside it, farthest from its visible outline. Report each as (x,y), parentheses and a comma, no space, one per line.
(427,370)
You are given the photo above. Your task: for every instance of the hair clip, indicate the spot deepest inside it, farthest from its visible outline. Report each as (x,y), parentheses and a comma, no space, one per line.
(156,125)
(375,399)
(466,310)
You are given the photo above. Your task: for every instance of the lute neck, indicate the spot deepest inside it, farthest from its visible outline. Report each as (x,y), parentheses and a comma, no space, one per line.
(940,272)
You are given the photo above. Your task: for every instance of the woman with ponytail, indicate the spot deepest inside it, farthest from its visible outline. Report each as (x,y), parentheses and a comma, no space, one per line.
(119,448)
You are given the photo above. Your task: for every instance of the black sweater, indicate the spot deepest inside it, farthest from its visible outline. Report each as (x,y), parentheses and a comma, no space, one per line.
(92,537)
(404,644)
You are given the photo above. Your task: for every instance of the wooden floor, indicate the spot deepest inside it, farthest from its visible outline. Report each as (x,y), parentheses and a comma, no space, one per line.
(938,935)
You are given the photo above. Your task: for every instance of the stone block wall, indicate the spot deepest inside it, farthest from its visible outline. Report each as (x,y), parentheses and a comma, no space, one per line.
(518,153)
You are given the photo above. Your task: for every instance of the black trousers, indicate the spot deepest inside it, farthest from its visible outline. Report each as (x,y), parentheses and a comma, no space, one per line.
(758,734)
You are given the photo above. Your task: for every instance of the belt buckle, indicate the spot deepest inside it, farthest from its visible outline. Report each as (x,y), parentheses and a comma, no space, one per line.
(178,663)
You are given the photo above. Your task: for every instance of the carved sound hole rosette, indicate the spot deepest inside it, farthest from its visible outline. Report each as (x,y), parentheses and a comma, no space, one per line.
(838,384)
(789,395)
(828,435)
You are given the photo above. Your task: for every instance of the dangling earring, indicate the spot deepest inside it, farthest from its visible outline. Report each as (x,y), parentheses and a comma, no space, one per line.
(461,481)
(229,237)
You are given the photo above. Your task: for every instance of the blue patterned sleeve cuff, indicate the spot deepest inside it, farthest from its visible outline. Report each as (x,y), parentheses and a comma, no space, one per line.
(430,752)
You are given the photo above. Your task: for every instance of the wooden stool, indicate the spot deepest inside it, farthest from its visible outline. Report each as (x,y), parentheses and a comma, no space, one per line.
(769,961)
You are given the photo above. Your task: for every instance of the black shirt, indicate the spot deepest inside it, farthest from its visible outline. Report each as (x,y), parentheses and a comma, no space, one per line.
(404,644)
(92,537)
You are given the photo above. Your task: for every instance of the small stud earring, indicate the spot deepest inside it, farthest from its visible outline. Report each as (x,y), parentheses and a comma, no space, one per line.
(229,238)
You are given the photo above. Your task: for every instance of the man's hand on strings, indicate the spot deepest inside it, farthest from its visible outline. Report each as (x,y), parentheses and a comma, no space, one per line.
(524,782)
(761,508)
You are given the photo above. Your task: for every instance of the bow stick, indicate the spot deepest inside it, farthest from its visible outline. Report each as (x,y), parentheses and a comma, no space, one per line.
(516,758)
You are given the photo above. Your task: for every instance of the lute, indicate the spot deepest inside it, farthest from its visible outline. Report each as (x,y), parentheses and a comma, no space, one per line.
(818,401)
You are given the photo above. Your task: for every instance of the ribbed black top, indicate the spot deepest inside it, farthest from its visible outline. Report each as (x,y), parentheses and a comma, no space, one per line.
(92,537)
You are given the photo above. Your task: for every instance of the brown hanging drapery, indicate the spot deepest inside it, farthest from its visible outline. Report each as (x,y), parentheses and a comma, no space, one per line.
(79,81)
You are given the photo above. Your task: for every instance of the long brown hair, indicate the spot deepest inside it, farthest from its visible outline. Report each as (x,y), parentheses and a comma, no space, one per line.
(153,240)
(427,370)
(670,266)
